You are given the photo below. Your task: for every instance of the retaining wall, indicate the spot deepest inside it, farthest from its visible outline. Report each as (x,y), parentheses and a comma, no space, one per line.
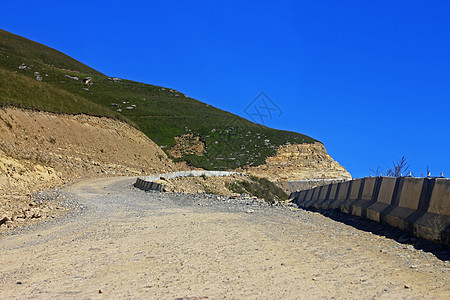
(419,206)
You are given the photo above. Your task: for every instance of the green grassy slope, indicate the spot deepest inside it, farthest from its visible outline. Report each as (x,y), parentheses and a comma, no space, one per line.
(18,47)
(22,91)
(161,113)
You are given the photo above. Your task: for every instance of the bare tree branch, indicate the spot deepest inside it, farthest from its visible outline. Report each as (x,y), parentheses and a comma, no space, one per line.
(399,168)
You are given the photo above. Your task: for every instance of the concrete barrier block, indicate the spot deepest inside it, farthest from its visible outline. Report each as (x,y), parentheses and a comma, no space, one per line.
(331,196)
(147,185)
(324,192)
(294,195)
(314,197)
(301,198)
(435,223)
(316,192)
(353,195)
(342,194)
(322,196)
(308,196)
(368,197)
(137,183)
(354,191)
(383,200)
(406,203)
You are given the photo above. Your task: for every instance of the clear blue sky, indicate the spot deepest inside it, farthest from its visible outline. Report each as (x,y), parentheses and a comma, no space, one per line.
(371,80)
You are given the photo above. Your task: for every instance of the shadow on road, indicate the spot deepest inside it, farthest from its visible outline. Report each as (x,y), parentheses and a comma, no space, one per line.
(442,252)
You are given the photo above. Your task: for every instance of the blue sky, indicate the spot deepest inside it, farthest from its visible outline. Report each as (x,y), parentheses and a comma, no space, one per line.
(371,80)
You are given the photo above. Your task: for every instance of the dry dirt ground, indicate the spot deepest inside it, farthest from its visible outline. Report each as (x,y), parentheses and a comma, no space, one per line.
(133,244)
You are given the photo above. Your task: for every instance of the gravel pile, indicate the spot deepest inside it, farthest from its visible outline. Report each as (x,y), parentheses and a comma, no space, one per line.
(63,206)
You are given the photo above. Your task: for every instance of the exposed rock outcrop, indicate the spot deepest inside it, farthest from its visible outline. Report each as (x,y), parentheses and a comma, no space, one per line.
(187,144)
(300,162)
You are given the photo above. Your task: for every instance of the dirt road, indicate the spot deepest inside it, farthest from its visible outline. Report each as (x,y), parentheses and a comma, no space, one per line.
(132,244)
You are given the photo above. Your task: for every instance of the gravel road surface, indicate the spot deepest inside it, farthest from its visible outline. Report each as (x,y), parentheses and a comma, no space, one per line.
(126,243)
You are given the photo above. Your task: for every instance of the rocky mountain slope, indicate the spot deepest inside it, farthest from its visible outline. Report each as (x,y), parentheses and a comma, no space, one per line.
(300,162)
(38,77)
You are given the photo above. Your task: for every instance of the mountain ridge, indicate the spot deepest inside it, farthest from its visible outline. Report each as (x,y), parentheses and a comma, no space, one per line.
(161,113)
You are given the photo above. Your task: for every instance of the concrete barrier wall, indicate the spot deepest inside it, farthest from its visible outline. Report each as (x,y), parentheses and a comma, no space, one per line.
(405,204)
(147,185)
(300,198)
(331,195)
(419,206)
(323,194)
(314,197)
(369,193)
(435,223)
(353,195)
(341,195)
(384,199)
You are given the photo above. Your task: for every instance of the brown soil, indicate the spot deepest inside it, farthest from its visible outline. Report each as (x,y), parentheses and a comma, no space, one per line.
(39,150)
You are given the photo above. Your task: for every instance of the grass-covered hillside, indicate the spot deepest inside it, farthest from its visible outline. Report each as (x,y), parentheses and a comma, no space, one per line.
(35,76)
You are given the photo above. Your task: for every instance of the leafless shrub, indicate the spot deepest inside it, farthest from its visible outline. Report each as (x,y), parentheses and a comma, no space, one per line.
(398,168)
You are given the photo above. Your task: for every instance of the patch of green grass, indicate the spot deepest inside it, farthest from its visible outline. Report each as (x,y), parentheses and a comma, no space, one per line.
(25,92)
(14,45)
(236,187)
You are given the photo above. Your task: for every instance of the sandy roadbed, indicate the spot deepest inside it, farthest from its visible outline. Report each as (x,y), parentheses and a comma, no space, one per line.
(132,244)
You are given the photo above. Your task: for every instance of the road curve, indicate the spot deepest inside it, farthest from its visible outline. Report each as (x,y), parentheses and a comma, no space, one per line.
(132,244)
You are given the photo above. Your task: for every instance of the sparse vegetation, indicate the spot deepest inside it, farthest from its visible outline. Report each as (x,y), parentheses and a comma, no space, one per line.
(399,168)
(259,187)
(236,187)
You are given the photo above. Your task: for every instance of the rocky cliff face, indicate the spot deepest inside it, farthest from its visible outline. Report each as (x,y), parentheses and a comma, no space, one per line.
(300,162)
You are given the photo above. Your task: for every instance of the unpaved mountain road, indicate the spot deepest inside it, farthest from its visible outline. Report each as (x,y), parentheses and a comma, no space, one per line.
(132,244)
